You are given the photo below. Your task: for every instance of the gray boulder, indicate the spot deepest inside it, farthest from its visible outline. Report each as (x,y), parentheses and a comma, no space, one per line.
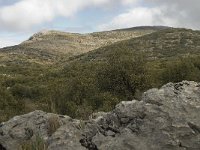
(57,131)
(165,119)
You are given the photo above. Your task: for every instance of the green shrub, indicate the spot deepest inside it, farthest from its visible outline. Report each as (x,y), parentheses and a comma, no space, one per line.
(182,69)
(23,91)
(123,75)
(8,105)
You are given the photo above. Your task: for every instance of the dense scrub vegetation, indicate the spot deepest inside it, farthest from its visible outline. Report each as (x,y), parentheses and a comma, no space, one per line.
(80,89)
(98,80)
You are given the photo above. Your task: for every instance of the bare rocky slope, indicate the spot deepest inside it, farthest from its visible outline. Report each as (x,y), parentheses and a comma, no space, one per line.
(165,119)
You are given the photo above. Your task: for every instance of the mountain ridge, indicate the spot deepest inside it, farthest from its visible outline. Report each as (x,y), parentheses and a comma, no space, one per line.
(165,43)
(93,38)
(46,47)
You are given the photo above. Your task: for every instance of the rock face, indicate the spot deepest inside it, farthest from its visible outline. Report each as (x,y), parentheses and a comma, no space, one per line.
(165,119)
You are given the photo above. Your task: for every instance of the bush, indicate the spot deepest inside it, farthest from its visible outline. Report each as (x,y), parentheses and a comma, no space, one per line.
(182,69)
(8,105)
(23,91)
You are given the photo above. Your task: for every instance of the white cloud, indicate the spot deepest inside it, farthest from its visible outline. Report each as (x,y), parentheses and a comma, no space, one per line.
(179,13)
(135,17)
(140,16)
(26,14)
(128,2)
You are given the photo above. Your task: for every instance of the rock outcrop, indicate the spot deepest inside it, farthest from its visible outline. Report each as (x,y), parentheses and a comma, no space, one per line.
(165,119)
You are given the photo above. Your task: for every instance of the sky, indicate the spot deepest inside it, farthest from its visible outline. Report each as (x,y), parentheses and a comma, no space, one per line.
(19,19)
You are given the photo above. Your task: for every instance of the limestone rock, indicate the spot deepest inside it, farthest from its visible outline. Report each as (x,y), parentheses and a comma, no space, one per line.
(23,128)
(165,119)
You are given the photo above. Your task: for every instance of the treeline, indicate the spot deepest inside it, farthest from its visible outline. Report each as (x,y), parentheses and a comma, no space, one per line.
(81,88)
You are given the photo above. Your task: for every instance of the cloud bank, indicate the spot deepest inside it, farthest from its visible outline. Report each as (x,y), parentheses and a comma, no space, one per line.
(176,13)
(25,14)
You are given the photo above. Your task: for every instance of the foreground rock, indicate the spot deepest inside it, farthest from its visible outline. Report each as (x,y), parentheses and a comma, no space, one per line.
(165,119)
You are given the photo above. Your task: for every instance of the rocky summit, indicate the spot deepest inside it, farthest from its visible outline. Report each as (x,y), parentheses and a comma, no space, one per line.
(164,119)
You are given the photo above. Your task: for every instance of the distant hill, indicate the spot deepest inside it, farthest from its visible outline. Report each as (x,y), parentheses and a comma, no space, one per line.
(75,43)
(163,44)
(48,47)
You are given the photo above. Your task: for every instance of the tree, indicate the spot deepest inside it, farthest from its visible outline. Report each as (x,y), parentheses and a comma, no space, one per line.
(123,75)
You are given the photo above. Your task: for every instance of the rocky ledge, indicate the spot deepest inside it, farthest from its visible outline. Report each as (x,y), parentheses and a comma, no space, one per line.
(165,119)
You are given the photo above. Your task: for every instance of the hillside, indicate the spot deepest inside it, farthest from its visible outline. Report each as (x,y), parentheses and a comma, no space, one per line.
(48,47)
(38,78)
(75,43)
(164,44)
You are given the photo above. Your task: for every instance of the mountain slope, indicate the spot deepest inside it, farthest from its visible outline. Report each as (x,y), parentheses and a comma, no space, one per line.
(62,42)
(48,47)
(163,44)
(36,79)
